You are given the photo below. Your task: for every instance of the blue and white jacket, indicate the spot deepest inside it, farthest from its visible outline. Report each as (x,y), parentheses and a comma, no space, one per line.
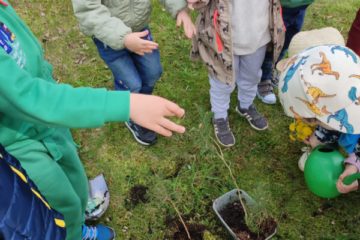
(24,212)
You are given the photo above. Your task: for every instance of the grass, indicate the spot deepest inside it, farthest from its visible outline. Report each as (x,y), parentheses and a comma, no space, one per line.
(186,169)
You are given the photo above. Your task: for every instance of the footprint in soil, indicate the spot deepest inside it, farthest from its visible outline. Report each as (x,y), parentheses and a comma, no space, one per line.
(137,194)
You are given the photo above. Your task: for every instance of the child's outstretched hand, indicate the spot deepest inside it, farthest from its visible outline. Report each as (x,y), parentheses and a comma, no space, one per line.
(151,111)
(184,19)
(135,43)
(342,188)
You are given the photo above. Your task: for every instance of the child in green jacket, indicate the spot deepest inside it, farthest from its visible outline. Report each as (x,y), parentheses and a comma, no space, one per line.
(121,33)
(36,114)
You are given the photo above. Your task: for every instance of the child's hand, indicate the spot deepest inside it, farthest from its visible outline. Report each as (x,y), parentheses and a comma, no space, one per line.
(151,111)
(313,141)
(183,18)
(342,188)
(191,3)
(135,43)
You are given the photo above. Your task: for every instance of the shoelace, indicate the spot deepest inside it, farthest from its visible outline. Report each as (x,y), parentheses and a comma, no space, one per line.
(252,112)
(90,234)
(222,126)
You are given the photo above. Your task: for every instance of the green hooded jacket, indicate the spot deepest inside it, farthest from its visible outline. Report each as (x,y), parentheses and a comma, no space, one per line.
(110,20)
(295,3)
(32,105)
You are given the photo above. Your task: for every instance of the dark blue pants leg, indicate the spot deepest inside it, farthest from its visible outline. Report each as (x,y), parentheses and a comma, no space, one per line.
(293,20)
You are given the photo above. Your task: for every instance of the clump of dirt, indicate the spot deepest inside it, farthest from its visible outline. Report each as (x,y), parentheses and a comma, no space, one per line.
(137,194)
(178,231)
(267,227)
(322,209)
(176,171)
(233,214)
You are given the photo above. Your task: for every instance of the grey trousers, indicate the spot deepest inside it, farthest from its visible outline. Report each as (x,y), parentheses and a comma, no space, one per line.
(247,69)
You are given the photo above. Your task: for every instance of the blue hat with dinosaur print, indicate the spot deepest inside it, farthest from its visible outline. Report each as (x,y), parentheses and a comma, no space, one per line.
(323,82)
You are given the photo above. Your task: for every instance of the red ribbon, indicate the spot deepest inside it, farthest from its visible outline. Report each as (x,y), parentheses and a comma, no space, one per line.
(3,3)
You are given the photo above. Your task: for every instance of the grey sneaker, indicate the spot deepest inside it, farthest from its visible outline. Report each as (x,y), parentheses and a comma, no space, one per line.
(266,92)
(223,132)
(256,120)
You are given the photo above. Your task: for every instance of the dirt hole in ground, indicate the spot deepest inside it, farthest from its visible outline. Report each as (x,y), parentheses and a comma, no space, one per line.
(178,231)
(137,194)
(322,209)
(233,214)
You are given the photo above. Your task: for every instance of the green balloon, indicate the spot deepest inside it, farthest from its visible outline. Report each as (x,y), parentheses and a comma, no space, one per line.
(322,170)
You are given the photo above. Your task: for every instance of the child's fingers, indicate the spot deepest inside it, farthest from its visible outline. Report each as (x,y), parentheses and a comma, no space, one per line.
(162,131)
(190,31)
(147,43)
(166,123)
(341,177)
(141,53)
(178,22)
(174,110)
(142,34)
(340,187)
(147,50)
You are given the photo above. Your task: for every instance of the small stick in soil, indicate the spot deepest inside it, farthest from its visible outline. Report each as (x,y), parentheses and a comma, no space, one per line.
(181,219)
(176,210)
(221,156)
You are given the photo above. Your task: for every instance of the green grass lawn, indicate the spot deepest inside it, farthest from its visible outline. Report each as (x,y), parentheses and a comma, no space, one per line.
(184,174)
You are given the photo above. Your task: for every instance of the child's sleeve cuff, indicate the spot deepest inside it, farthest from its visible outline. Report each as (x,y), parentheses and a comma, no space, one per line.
(353,160)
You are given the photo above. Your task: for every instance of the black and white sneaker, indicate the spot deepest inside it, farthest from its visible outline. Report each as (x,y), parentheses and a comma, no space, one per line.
(142,135)
(256,120)
(223,132)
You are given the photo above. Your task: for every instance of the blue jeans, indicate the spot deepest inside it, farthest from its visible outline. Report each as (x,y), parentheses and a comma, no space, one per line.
(132,71)
(293,20)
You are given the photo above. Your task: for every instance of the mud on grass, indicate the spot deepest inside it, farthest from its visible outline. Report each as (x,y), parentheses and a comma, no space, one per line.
(137,194)
(178,232)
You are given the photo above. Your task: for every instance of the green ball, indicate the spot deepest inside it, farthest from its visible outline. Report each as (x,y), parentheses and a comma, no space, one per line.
(322,170)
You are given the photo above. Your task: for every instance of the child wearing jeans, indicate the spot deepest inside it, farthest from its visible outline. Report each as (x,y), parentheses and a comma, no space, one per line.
(122,36)
(232,38)
(321,85)
(293,14)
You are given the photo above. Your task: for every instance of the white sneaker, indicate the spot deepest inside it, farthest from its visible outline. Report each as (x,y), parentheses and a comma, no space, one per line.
(266,92)
(303,158)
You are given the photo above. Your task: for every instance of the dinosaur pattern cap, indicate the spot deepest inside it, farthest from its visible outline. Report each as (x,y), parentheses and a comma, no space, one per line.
(323,82)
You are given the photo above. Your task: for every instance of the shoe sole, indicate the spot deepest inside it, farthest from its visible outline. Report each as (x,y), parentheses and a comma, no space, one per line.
(229,145)
(136,138)
(113,232)
(264,101)
(253,126)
